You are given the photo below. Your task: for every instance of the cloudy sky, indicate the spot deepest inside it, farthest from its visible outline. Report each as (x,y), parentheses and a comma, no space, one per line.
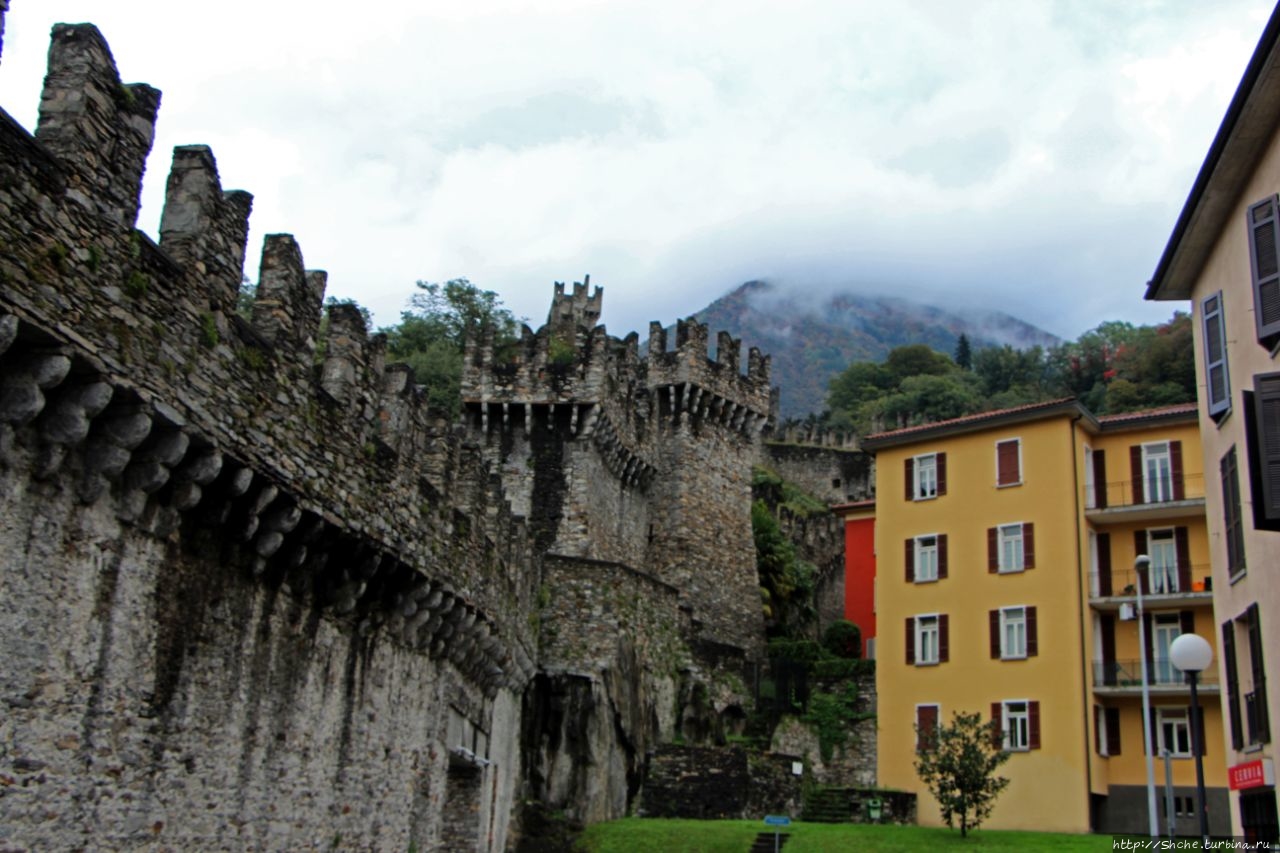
(1026,155)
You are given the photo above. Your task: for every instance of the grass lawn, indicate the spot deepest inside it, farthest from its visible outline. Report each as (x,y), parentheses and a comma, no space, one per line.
(651,835)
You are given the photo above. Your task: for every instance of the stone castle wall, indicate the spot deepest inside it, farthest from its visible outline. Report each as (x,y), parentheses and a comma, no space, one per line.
(247,600)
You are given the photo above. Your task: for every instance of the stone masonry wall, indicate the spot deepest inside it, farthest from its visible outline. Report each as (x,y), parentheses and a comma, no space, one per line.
(245,597)
(833,474)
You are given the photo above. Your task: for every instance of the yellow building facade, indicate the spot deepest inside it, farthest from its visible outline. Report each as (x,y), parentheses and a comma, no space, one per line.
(1005,585)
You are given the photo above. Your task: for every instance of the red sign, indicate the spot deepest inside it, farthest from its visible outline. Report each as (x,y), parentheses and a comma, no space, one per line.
(1251,774)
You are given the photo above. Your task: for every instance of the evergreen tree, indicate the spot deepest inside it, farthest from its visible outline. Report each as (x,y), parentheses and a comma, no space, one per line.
(964,355)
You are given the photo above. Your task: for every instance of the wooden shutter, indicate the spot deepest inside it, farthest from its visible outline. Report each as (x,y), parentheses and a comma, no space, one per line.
(1140,548)
(1113,730)
(993,622)
(1104,564)
(1264,264)
(1033,641)
(1267,426)
(1033,724)
(1175,470)
(909,468)
(1232,520)
(909,560)
(944,640)
(1258,668)
(1147,622)
(1187,621)
(911,641)
(993,550)
(997,725)
(1153,720)
(1007,473)
(1097,729)
(926,724)
(1217,379)
(1135,472)
(1109,648)
(942,556)
(1182,549)
(1100,479)
(1233,683)
(1028,546)
(942,473)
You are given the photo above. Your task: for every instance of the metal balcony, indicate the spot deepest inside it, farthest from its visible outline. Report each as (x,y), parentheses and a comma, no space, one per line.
(1162,498)
(1124,677)
(1162,589)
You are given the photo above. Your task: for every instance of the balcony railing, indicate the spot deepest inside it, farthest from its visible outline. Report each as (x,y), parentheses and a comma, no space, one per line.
(1150,492)
(1195,579)
(1257,724)
(1160,673)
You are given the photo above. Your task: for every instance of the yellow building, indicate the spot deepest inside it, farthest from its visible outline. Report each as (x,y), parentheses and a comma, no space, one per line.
(1006,544)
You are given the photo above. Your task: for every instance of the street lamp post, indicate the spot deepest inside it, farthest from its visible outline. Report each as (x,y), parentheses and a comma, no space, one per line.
(1192,654)
(1140,567)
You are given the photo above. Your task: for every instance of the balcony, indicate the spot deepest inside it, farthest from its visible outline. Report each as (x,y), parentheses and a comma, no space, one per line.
(1162,588)
(1161,499)
(1257,724)
(1124,678)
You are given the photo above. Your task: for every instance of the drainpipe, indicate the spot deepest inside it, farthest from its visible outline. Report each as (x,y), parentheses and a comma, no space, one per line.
(1084,659)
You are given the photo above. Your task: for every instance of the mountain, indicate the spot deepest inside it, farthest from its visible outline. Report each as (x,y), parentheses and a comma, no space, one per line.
(813,339)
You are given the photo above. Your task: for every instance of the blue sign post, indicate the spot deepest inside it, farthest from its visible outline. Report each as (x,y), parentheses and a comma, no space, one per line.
(777,821)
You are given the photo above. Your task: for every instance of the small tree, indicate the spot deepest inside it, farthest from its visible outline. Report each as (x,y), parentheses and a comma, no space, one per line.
(958,762)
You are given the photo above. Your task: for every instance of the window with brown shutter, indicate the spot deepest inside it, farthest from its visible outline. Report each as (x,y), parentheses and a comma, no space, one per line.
(1217,378)
(909,466)
(911,641)
(1029,545)
(909,559)
(1033,641)
(942,474)
(1182,553)
(942,556)
(1264,262)
(1099,730)
(944,639)
(926,725)
(1266,389)
(1008,462)
(997,725)
(993,550)
(993,620)
(1033,724)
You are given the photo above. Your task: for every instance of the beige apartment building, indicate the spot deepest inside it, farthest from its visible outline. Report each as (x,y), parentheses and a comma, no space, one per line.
(1224,257)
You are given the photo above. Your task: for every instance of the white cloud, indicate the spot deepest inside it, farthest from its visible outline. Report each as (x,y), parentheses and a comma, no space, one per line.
(1032,155)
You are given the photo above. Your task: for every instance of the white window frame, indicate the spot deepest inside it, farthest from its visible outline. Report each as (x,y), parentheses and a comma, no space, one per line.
(926,554)
(1090,488)
(924,484)
(1157,487)
(1180,721)
(928,628)
(1018,482)
(1162,577)
(1102,733)
(1013,620)
(1016,738)
(1005,535)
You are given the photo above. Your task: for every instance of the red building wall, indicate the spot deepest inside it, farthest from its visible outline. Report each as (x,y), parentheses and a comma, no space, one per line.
(860,574)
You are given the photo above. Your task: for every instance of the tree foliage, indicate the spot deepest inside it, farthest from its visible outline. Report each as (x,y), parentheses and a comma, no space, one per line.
(958,763)
(786,581)
(1116,367)
(431,335)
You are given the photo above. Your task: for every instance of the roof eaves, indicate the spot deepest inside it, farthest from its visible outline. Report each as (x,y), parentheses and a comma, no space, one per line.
(1243,134)
(976,423)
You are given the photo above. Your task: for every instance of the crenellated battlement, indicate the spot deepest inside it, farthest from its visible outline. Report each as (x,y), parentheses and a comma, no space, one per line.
(131,359)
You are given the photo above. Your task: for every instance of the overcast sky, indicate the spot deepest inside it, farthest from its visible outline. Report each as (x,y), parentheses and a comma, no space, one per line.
(1023,155)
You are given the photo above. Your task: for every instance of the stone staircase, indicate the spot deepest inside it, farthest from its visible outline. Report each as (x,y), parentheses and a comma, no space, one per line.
(826,805)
